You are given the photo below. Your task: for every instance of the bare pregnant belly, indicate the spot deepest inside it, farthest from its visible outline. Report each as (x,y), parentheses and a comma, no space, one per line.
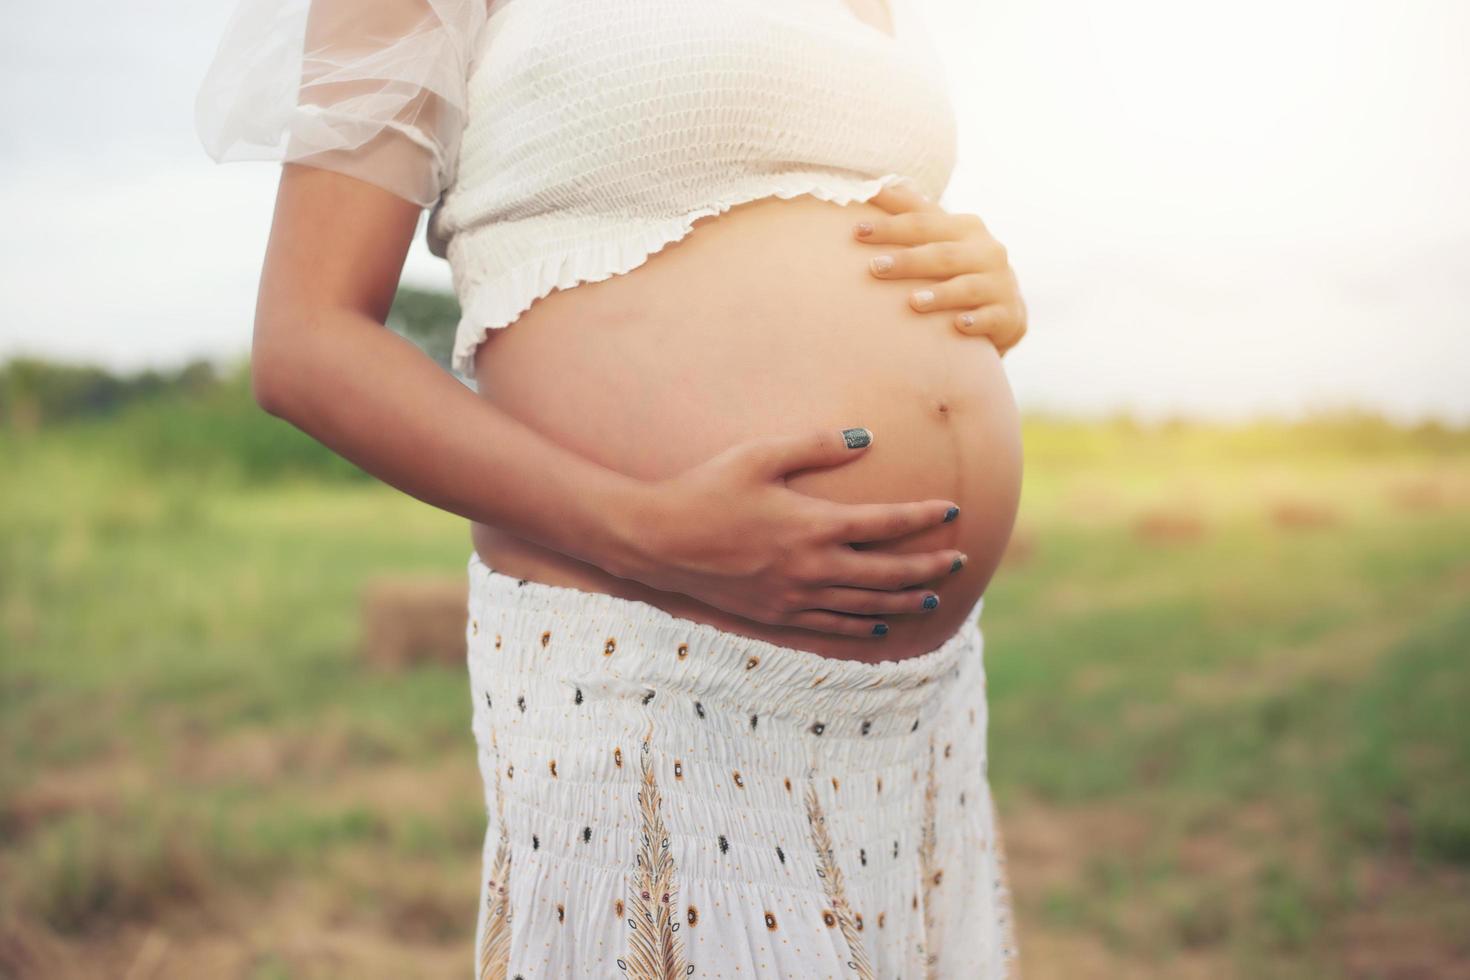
(765,320)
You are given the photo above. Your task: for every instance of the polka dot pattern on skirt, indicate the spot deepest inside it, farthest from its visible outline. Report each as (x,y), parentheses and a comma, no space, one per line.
(667,799)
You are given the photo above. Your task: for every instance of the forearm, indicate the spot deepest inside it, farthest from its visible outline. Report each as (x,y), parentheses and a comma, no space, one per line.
(374,398)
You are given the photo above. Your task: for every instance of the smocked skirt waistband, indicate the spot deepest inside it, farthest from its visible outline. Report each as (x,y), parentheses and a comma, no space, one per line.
(645,650)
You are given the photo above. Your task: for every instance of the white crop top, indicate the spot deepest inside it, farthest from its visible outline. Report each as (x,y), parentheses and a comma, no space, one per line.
(565,141)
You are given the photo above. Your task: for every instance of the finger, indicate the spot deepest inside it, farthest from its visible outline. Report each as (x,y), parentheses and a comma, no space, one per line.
(918,227)
(881,522)
(965,292)
(904,194)
(913,227)
(830,622)
(998,321)
(890,572)
(932,259)
(777,455)
(874,602)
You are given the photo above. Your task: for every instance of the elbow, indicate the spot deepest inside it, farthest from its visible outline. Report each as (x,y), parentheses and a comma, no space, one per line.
(267,385)
(274,369)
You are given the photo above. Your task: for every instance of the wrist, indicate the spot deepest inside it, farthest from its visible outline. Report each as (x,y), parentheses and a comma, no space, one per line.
(631,514)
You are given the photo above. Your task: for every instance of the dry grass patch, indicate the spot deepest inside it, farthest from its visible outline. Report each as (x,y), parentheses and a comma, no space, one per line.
(1048,954)
(1048,847)
(1411,923)
(302,930)
(264,757)
(97,787)
(1345,655)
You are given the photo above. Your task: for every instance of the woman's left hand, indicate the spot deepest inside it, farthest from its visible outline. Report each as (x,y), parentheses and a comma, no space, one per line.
(956,248)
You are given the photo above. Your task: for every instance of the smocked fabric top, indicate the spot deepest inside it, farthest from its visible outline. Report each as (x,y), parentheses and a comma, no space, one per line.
(558,142)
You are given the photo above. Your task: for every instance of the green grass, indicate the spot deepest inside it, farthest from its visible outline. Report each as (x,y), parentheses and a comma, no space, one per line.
(1237,750)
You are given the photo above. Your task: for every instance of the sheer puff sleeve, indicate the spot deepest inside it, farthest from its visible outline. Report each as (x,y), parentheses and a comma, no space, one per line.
(374,89)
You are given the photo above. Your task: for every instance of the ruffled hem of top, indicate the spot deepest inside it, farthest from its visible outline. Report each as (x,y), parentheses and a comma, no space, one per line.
(499,302)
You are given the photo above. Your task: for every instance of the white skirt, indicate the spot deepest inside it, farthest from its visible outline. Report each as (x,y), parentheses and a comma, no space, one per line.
(668,799)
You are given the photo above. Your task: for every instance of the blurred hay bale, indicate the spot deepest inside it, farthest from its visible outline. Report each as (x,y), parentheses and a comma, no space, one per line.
(408,621)
(1420,496)
(1301,515)
(1164,525)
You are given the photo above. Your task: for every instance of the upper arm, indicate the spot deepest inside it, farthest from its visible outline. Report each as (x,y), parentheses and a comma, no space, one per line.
(336,242)
(364,102)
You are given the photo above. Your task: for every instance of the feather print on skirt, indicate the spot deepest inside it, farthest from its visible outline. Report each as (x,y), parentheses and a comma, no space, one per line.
(928,838)
(495,944)
(655,951)
(831,875)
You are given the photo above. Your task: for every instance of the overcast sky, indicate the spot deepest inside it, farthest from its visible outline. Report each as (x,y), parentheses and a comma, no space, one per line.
(1221,209)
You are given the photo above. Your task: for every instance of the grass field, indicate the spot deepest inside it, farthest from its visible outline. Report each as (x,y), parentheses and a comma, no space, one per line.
(1228,669)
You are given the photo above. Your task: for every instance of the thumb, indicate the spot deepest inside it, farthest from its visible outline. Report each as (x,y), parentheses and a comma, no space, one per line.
(821,447)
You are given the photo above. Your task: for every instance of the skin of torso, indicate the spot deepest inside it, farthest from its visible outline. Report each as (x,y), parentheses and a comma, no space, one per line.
(764,320)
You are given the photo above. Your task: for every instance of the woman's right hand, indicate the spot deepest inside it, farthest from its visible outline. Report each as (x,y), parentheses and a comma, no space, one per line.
(730,533)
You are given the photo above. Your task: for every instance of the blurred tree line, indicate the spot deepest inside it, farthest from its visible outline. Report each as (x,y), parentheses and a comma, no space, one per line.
(201,415)
(36,392)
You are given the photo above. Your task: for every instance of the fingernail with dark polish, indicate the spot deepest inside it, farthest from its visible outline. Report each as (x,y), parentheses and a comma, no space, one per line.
(951,514)
(931,601)
(880,629)
(959,563)
(856,438)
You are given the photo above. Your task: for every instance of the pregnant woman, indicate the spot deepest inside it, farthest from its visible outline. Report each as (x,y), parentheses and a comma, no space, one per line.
(740,458)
